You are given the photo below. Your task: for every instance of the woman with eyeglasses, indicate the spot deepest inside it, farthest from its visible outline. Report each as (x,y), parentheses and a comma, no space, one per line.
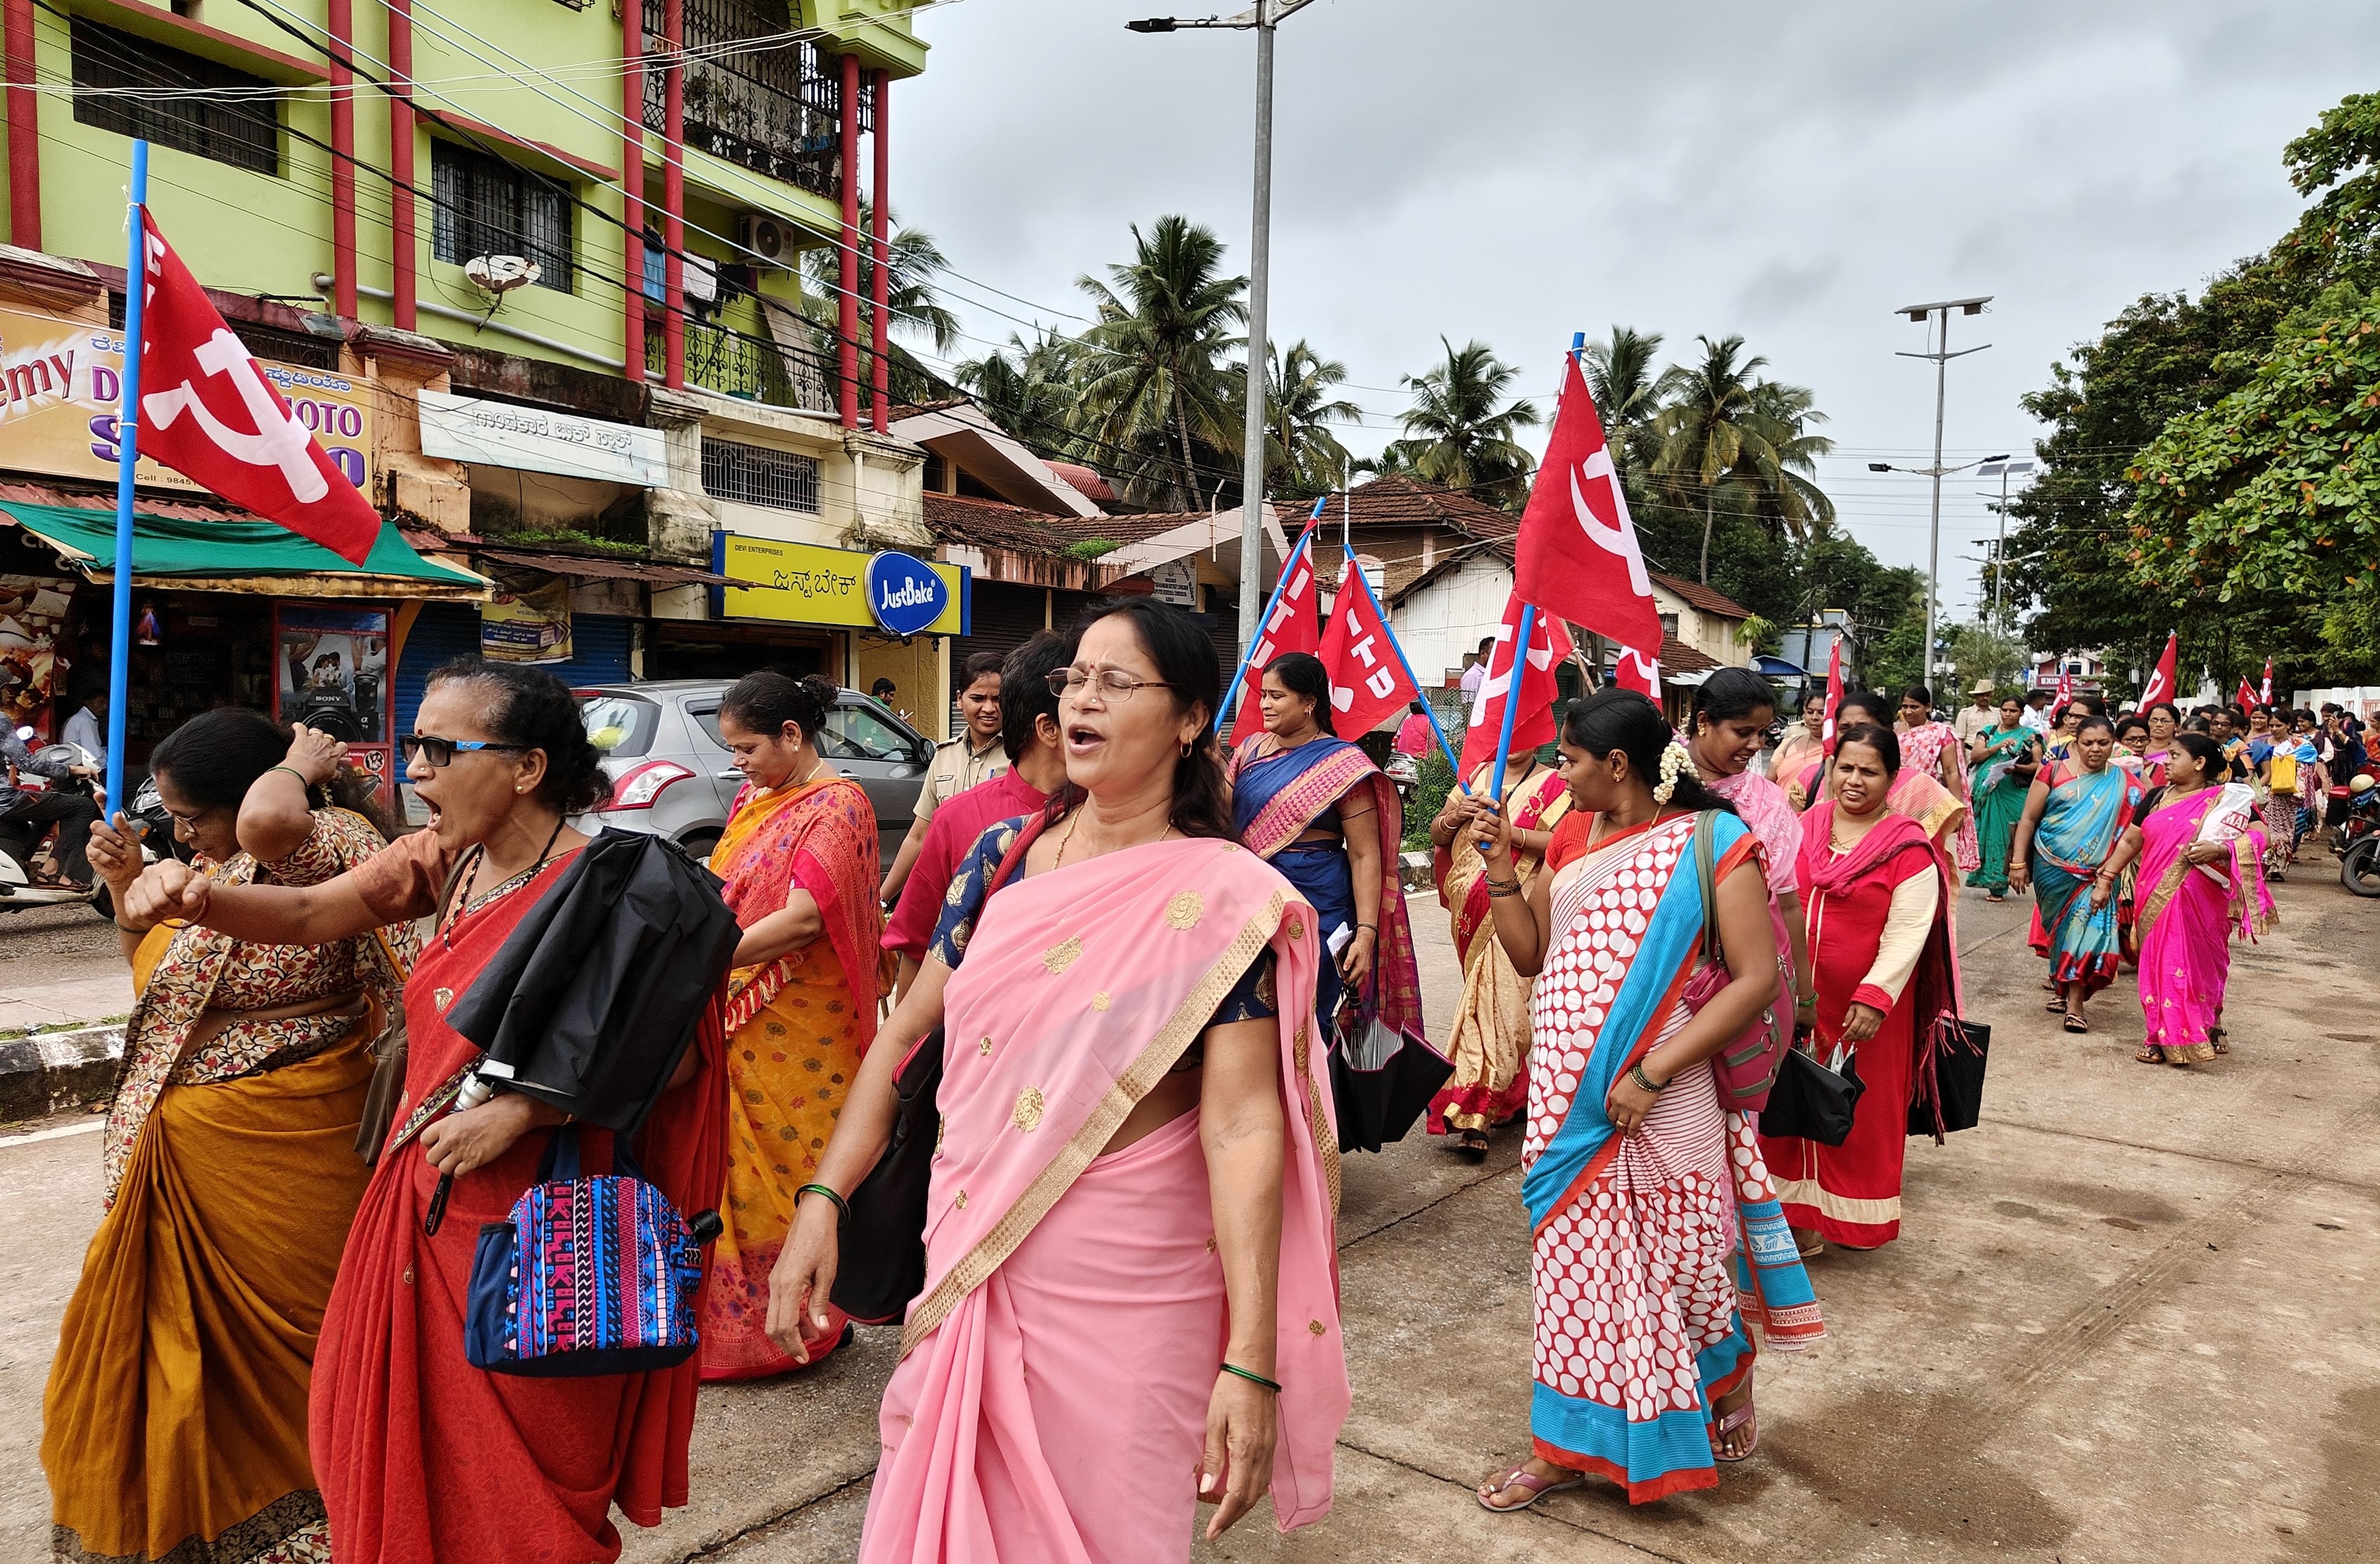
(1316,808)
(1130,1304)
(420,1455)
(231,1171)
(799,858)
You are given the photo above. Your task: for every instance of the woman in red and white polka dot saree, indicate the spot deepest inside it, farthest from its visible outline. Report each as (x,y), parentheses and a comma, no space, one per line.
(1652,1251)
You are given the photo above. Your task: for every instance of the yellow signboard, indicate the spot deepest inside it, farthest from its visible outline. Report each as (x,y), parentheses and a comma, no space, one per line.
(62,385)
(808,584)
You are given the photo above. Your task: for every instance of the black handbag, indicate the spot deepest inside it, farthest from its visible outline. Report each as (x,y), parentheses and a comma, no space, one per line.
(1811,1100)
(883,1259)
(1959,1061)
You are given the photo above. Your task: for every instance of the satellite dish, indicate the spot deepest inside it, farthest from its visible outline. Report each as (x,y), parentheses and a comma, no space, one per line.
(501,274)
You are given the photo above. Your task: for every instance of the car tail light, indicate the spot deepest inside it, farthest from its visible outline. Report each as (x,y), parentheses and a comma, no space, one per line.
(639,787)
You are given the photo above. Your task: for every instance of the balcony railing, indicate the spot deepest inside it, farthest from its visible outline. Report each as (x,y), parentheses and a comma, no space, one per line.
(736,363)
(775,108)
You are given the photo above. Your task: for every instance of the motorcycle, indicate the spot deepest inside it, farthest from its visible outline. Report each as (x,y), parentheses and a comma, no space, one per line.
(2358,839)
(20,841)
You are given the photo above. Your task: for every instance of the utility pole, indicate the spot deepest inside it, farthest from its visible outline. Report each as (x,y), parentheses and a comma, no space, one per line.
(2001,467)
(1940,355)
(1263,20)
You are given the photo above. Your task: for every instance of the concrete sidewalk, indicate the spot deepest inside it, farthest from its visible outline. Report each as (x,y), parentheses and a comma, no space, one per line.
(2130,1318)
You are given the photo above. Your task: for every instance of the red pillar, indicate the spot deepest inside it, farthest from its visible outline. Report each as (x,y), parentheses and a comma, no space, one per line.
(673,196)
(846,349)
(632,180)
(403,240)
(343,159)
(24,130)
(880,254)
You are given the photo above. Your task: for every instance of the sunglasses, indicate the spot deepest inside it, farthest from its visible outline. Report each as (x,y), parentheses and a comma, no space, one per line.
(440,753)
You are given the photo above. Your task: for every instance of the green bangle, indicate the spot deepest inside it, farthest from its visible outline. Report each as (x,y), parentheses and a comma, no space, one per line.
(1253,1377)
(294,772)
(822,1188)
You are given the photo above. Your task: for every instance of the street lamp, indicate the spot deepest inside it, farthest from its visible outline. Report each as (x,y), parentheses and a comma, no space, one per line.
(1261,21)
(1927,315)
(1999,467)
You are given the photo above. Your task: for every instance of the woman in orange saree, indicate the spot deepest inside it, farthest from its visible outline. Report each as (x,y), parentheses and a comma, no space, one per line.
(423,1458)
(1490,1046)
(800,861)
(175,1421)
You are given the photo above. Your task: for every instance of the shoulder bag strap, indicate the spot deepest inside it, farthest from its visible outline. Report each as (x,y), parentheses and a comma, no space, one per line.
(1706,870)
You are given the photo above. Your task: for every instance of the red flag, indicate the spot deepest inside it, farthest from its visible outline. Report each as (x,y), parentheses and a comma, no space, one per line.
(1291,629)
(1834,695)
(2160,684)
(1367,677)
(1578,557)
(1638,672)
(2065,686)
(210,413)
(1549,646)
(2268,681)
(2246,697)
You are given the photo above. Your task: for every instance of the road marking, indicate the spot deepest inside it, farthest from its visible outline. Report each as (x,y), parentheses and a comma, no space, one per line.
(60,1134)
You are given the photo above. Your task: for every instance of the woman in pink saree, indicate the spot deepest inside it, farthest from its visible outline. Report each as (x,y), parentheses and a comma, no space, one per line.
(1131,1293)
(2200,882)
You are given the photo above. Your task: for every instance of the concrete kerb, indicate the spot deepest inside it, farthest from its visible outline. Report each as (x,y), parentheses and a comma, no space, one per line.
(46,1072)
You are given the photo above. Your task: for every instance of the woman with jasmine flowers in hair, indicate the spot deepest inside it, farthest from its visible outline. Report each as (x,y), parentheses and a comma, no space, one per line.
(1658,1239)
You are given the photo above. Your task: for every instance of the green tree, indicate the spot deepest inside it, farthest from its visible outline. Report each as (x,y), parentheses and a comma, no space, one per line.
(1461,432)
(1724,434)
(1981,651)
(914,305)
(1299,409)
(1156,380)
(1033,390)
(1630,393)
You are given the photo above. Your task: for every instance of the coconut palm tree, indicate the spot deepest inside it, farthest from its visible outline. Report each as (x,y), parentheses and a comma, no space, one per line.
(1630,394)
(914,306)
(1725,432)
(1461,432)
(1031,389)
(1299,410)
(1155,378)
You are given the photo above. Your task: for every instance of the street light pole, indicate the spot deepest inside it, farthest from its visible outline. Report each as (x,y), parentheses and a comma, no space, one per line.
(2004,468)
(1942,357)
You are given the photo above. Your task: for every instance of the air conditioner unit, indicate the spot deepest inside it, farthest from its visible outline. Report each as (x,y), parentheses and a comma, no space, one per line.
(769,240)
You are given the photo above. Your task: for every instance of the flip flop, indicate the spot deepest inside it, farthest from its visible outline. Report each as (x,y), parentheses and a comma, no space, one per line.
(1729,1424)
(1521,1476)
(1817,1247)
(2077,1024)
(2056,1007)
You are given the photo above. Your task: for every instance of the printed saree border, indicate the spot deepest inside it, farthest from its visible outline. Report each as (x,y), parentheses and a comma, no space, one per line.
(1189,1018)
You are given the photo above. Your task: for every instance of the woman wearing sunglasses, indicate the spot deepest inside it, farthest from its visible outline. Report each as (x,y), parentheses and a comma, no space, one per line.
(419,1454)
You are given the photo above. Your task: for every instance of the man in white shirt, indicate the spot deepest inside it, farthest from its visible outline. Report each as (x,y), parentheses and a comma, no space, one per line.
(2036,710)
(1475,675)
(88,728)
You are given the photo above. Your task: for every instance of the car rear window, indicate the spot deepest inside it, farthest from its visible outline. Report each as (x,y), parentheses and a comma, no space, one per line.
(620,726)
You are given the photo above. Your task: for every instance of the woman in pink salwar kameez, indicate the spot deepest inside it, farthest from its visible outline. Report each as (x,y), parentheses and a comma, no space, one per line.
(2200,885)
(1131,1293)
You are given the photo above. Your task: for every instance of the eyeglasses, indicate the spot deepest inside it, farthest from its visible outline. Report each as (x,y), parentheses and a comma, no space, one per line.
(1115,687)
(440,753)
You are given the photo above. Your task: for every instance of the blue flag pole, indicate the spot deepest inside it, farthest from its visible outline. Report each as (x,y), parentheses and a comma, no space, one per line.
(1512,694)
(128,445)
(1256,632)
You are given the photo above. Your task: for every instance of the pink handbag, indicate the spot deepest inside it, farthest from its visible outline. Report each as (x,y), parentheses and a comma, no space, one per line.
(1747,1067)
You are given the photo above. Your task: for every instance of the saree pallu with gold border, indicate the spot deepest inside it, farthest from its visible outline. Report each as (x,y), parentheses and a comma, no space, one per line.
(1051,1398)
(1649,1253)
(798,1027)
(175,1419)
(1490,1044)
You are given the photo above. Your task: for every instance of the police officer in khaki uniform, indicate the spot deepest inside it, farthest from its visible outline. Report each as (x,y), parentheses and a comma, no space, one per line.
(973,757)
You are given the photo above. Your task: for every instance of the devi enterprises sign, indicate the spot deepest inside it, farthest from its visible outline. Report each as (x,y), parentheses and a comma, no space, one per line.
(805,583)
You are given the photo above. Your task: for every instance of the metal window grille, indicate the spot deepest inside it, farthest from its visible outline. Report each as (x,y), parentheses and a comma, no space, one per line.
(485,206)
(776,109)
(243,130)
(756,475)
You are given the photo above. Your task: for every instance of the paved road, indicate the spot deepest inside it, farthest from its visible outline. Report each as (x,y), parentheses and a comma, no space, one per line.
(2131,1319)
(59,964)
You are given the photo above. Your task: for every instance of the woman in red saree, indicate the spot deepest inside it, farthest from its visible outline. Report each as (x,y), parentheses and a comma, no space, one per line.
(1876,894)
(799,859)
(1130,1301)
(423,1459)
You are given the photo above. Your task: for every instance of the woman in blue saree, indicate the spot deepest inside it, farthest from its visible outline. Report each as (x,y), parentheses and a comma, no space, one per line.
(1316,809)
(1658,1239)
(2077,811)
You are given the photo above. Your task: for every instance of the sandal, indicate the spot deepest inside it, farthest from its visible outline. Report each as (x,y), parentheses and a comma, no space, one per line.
(2076,1023)
(1728,1423)
(2218,1039)
(1812,1250)
(2055,1006)
(2150,1055)
(1473,1143)
(1522,1477)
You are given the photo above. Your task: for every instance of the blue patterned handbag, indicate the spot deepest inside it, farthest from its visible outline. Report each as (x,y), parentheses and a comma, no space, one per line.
(589,1276)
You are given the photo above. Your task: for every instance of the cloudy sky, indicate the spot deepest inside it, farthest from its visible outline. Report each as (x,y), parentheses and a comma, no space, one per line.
(1515,170)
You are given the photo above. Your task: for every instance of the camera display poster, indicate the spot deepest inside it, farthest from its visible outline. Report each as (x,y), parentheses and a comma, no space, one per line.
(332,673)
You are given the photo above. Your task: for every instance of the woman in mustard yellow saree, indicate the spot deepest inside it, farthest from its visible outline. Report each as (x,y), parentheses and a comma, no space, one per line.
(175,1420)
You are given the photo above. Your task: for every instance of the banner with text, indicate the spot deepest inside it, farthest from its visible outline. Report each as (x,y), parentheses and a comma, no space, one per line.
(811,584)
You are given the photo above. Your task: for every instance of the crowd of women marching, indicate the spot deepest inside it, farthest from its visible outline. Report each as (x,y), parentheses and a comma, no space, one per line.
(1143,994)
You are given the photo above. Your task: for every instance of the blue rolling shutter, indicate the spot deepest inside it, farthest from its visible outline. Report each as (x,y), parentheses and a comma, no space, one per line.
(599,645)
(599,651)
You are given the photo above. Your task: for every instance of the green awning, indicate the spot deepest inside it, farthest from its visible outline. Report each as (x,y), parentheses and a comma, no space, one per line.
(239,556)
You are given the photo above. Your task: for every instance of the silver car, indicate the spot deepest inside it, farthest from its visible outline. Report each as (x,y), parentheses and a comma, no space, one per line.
(671,776)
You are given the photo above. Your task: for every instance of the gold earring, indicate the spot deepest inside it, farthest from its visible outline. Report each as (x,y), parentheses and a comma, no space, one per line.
(1187,746)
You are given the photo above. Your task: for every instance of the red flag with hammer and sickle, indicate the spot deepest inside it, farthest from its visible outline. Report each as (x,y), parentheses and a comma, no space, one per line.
(209,412)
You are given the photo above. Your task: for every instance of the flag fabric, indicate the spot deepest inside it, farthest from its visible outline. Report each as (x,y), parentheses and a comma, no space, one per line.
(2268,681)
(2065,686)
(1834,695)
(2245,697)
(1577,553)
(210,413)
(1367,677)
(1533,724)
(2160,684)
(1291,629)
(1636,671)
